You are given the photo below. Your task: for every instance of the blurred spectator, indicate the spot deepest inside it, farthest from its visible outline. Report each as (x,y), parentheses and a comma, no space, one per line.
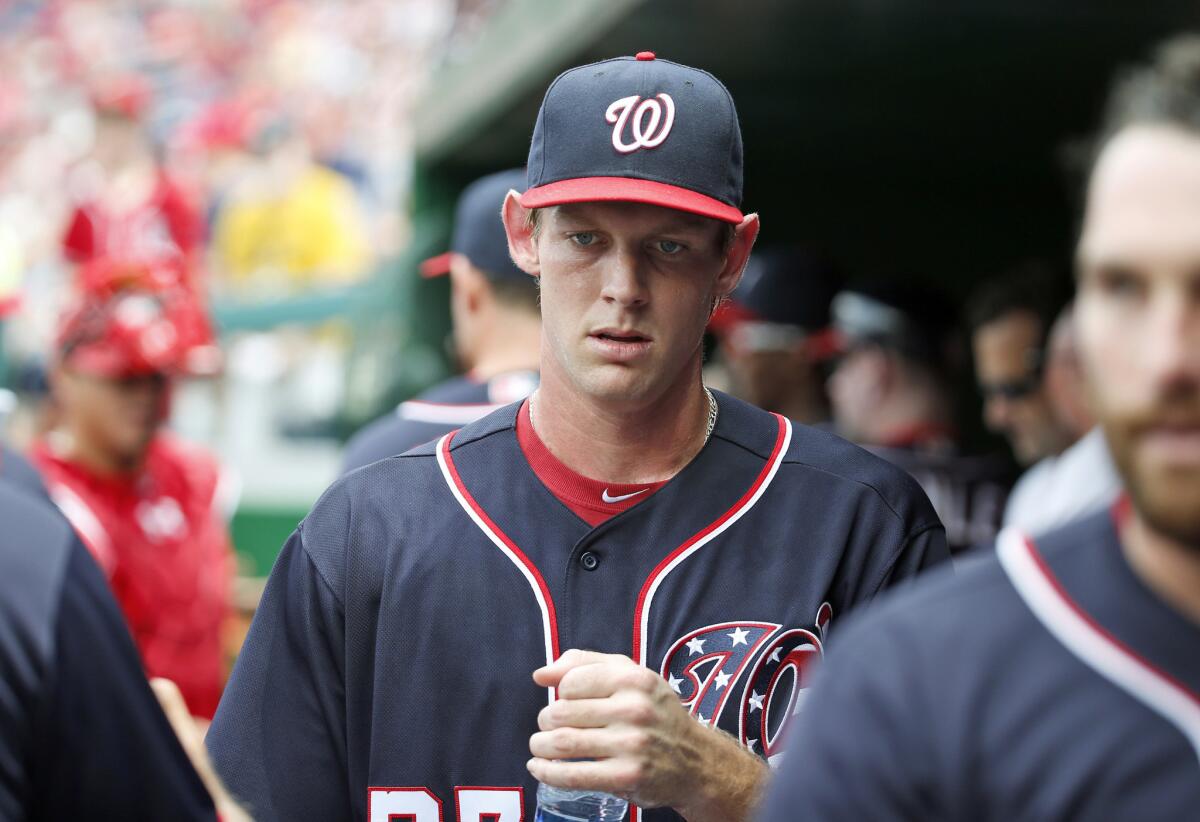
(1081,479)
(143,502)
(290,216)
(774,333)
(128,207)
(497,330)
(891,393)
(81,735)
(1009,319)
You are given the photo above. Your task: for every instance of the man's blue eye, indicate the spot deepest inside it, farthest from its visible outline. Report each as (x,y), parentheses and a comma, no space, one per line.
(670,246)
(584,238)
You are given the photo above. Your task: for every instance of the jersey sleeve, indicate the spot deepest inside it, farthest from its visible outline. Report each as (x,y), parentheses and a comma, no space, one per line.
(861,747)
(923,549)
(104,746)
(279,739)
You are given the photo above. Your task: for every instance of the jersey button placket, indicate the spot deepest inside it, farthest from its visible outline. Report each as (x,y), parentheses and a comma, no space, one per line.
(589,560)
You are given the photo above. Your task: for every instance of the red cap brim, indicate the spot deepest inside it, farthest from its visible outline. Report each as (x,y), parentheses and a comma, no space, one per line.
(629,189)
(438,266)
(827,344)
(729,314)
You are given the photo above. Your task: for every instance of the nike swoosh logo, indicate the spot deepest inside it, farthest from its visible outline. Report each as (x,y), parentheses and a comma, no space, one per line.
(607,498)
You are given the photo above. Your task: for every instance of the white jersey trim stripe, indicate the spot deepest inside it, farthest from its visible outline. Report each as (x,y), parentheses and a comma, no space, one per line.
(470,506)
(86,524)
(730,519)
(1064,621)
(446,414)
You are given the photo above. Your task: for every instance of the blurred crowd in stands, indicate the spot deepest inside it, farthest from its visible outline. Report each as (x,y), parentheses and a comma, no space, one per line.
(262,143)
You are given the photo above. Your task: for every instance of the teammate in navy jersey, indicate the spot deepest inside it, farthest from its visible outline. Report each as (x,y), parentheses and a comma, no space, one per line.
(496,330)
(18,471)
(1060,679)
(697,546)
(81,735)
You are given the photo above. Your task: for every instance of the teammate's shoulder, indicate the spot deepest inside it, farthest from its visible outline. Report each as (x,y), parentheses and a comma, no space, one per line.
(459,389)
(34,546)
(944,611)
(814,450)
(18,471)
(810,453)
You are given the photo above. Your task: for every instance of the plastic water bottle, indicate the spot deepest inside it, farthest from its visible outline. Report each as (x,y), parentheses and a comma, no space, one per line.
(564,805)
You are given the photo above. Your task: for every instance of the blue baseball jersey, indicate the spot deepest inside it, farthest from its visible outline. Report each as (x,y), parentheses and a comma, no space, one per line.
(81,733)
(19,472)
(444,408)
(1043,682)
(387,671)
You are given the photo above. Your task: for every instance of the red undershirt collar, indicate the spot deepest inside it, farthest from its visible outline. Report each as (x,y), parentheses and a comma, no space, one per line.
(591,500)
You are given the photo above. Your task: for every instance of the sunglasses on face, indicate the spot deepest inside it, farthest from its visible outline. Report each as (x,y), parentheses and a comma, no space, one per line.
(1011,389)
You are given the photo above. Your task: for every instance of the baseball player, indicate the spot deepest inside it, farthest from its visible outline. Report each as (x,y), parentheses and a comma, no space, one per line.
(496,331)
(141,500)
(775,333)
(696,546)
(892,394)
(81,735)
(1060,678)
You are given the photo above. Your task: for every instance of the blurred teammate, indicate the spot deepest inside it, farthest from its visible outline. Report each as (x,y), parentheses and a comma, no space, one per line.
(494,308)
(775,336)
(1009,319)
(142,501)
(1081,479)
(81,734)
(891,393)
(1065,683)
(697,545)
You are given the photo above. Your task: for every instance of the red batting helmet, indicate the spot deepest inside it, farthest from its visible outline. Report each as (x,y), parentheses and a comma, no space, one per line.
(131,319)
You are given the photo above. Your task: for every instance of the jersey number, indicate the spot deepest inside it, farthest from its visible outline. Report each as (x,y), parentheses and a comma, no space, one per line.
(470,805)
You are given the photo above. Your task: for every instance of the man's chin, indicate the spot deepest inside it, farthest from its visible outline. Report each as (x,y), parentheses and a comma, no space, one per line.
(1169,502)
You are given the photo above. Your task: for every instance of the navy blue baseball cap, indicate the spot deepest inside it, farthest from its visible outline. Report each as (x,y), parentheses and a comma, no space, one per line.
(638,129)
(479,229)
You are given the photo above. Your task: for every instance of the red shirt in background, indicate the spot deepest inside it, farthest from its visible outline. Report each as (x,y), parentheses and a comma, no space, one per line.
(166,552)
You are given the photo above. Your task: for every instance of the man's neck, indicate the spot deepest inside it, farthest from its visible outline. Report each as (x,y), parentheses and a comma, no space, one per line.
(621,443)
(514,349)
(97,461)
(1168,567)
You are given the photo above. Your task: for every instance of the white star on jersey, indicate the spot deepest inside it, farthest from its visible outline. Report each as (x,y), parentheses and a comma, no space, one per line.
(750,743)
(722,680)
(775,654)
(739,637)
(696,646)
(756,701)
(674,682)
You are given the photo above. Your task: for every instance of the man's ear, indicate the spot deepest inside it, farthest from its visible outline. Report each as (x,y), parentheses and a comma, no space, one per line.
(744,235)
(522,244)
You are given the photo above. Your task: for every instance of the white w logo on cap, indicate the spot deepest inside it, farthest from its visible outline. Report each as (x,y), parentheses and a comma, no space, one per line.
(646,133)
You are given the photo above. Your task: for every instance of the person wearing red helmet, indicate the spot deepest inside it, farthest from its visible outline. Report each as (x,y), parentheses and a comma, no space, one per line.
(142,501)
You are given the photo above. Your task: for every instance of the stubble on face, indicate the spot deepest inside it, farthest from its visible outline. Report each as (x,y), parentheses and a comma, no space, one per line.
(1139,320)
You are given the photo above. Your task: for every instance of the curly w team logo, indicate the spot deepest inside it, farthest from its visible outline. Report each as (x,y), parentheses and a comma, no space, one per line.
(649,121)
(768,666)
